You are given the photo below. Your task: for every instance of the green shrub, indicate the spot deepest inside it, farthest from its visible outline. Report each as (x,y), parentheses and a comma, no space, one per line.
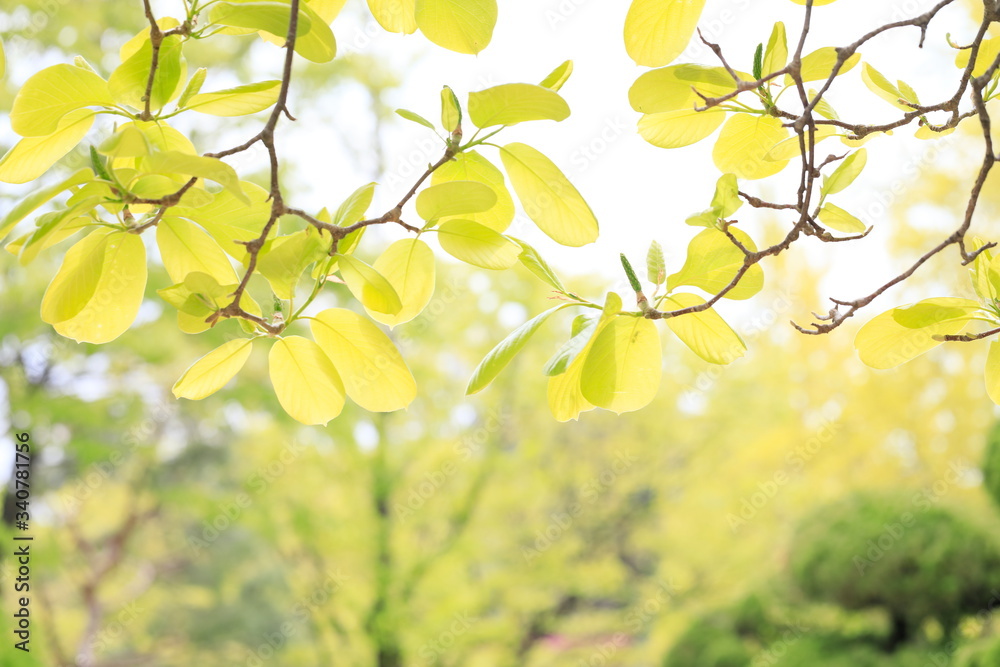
(914,560)
(991,464)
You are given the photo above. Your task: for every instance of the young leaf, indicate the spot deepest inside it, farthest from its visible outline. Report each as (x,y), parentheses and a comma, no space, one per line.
(844,175)
(471,166)
(451,110)
(904,333)
(454,198)
(744,143)
(238,101)
(558,77)
(408,265)
(501,355)
(26,206)
(369,286)
(129,80)
(305,381)
(514,103)
(213,371)
(840,220)
(193,87)
(52,93)
(537,265)
(213,169)
(565,395)
(353,208)
(623,367)
(758,62)
(416,118)
(818,65)
(374,373)
(463,26)
(656,265)
(548,197)
(882,87)
(583,331)
(777,50)
(705,332)
(33,156)
(657,31)
(283,259)
(478,245)
(713,260)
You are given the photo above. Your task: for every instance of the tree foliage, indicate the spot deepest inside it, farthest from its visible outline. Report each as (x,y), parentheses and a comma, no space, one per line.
(236,251)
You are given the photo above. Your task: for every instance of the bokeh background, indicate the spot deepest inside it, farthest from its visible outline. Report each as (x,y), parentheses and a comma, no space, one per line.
(793,509)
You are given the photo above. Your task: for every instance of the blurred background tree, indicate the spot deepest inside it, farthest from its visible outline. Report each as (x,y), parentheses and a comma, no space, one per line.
(477,532)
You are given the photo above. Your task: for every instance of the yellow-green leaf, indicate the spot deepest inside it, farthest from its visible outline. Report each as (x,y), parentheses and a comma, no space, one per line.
(657,31)
(776,54)
(500,356)
(463,26)
(547,196)
(283,259)
(904,333)
(537,265)
(988,51)
(818,65)
(52,93)
(623,366)
(993,372)
(478,245)
(129,80)
(513,103)
(565,395)
(882,87)
(408,265)
(193,87)
(846,173)
(451,111)
(675,129)
(213,371)
(369,286)
(98,311)
(184,248)
(374,373)
(840,220)
(26,206)
(228,219)
(395,15)
(210,168)
(713,260)
(33,156)
(670,88)
(704,332)
(305,381)
(471,166)
(454,198)
(558,77)
(353,208)
(238,101)
(744,144)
